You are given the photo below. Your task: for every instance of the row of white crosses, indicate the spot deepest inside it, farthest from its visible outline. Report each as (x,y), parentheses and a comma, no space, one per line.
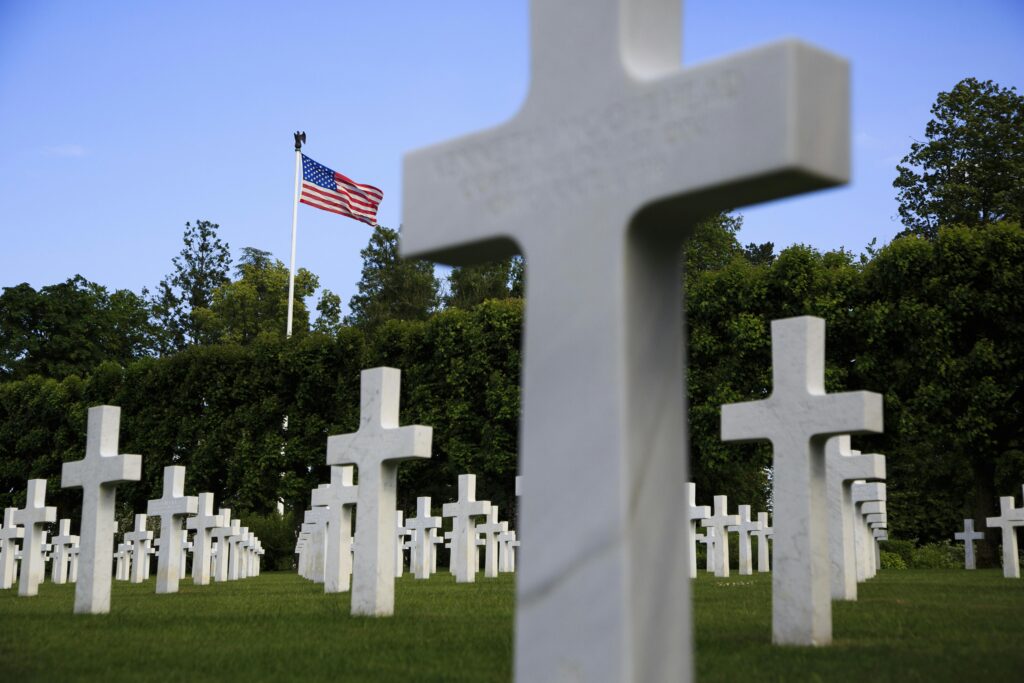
(716,537)
(98,475)
(325,557)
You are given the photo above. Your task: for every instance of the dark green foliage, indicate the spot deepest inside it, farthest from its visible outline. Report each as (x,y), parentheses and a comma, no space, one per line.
(277,534)
(891,560)
(391,288)
(69,329)
(200,268)
(471,285)
(970,169)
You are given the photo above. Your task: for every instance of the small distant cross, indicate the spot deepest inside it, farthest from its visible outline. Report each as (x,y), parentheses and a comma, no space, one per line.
(171,509)
(339,498)
(969,536)
(33,516)
(463,513)
(720,522)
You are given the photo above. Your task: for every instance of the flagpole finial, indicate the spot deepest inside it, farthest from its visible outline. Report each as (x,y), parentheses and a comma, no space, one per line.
(300,137)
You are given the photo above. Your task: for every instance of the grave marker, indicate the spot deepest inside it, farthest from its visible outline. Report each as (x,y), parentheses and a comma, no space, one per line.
(221,534)
(32,517)
(171,508)
(599,178)
(9,535)
(422,525)
(140,539)
(763,534)
(62,544)
(463,559)
(694,514)
(339,498)
(843,466)
(98,476)
(490,530)
(797,418)
(718,525)
(1008,520)
(745,527)
(376,449)
(969,536)
(203,523)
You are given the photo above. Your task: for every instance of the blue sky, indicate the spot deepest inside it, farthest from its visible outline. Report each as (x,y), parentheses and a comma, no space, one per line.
(121,121)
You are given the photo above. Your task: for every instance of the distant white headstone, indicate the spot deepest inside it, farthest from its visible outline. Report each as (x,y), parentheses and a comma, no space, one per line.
(598,180)
(376,449)
(171,508)
(795,418)
(140,539)
(339,498)
(98,476)
(221,535)
(843,466)
(744,529)
(9,535)
(33,516)
(868,498)
(421,525)
(969,536)
(720,521)
(464,513)
(62,544)
(203,523)
(489,530)
(1008,520)
(763,534)
(694,514)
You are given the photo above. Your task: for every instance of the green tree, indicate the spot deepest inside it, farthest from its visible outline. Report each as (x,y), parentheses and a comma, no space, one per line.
(471,285)
(199,269)
(712,245)
(69,328)
(257,302)
(391,288)
(970,168)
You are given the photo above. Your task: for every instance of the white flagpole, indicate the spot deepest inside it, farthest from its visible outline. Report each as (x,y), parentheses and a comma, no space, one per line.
(299,139)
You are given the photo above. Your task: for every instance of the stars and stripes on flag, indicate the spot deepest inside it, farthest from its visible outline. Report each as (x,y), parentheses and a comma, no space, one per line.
(331,191)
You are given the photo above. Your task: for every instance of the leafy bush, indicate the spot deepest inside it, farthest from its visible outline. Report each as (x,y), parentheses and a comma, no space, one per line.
(941,555)
(277,534)
(892,561)
(903,549)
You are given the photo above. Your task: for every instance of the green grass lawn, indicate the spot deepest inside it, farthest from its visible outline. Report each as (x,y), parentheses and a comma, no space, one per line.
(925,625)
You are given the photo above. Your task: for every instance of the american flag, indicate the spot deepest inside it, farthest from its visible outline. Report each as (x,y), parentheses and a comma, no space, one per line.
(331,191)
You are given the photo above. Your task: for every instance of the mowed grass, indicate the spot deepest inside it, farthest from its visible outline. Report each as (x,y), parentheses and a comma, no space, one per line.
(926,625)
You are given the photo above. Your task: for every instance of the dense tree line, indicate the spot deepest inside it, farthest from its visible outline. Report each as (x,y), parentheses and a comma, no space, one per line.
(204,373)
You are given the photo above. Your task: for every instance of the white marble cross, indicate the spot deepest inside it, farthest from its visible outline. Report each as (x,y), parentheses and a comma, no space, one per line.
(376,449)
(339,498)
(1008,520)
(62,544)
(868,498)
(707,539)
(843,466)
(490,529)
(797,418)
(123,557)
(421,524)
(598,180)
(763,533)
(32,517)
(235,549)
(694,514)
(401,532)
(745,527)
(317,519)
(98,476)
(464,512)
(140,539)
(171,508)
(221,534)
(969,536)
(720,521)
(9,535)
(203,523)
(186,547)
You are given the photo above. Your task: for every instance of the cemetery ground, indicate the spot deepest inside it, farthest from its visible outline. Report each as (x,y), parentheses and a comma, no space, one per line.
(908,625)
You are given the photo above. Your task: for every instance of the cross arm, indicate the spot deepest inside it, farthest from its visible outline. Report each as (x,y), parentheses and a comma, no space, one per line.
(367,447)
